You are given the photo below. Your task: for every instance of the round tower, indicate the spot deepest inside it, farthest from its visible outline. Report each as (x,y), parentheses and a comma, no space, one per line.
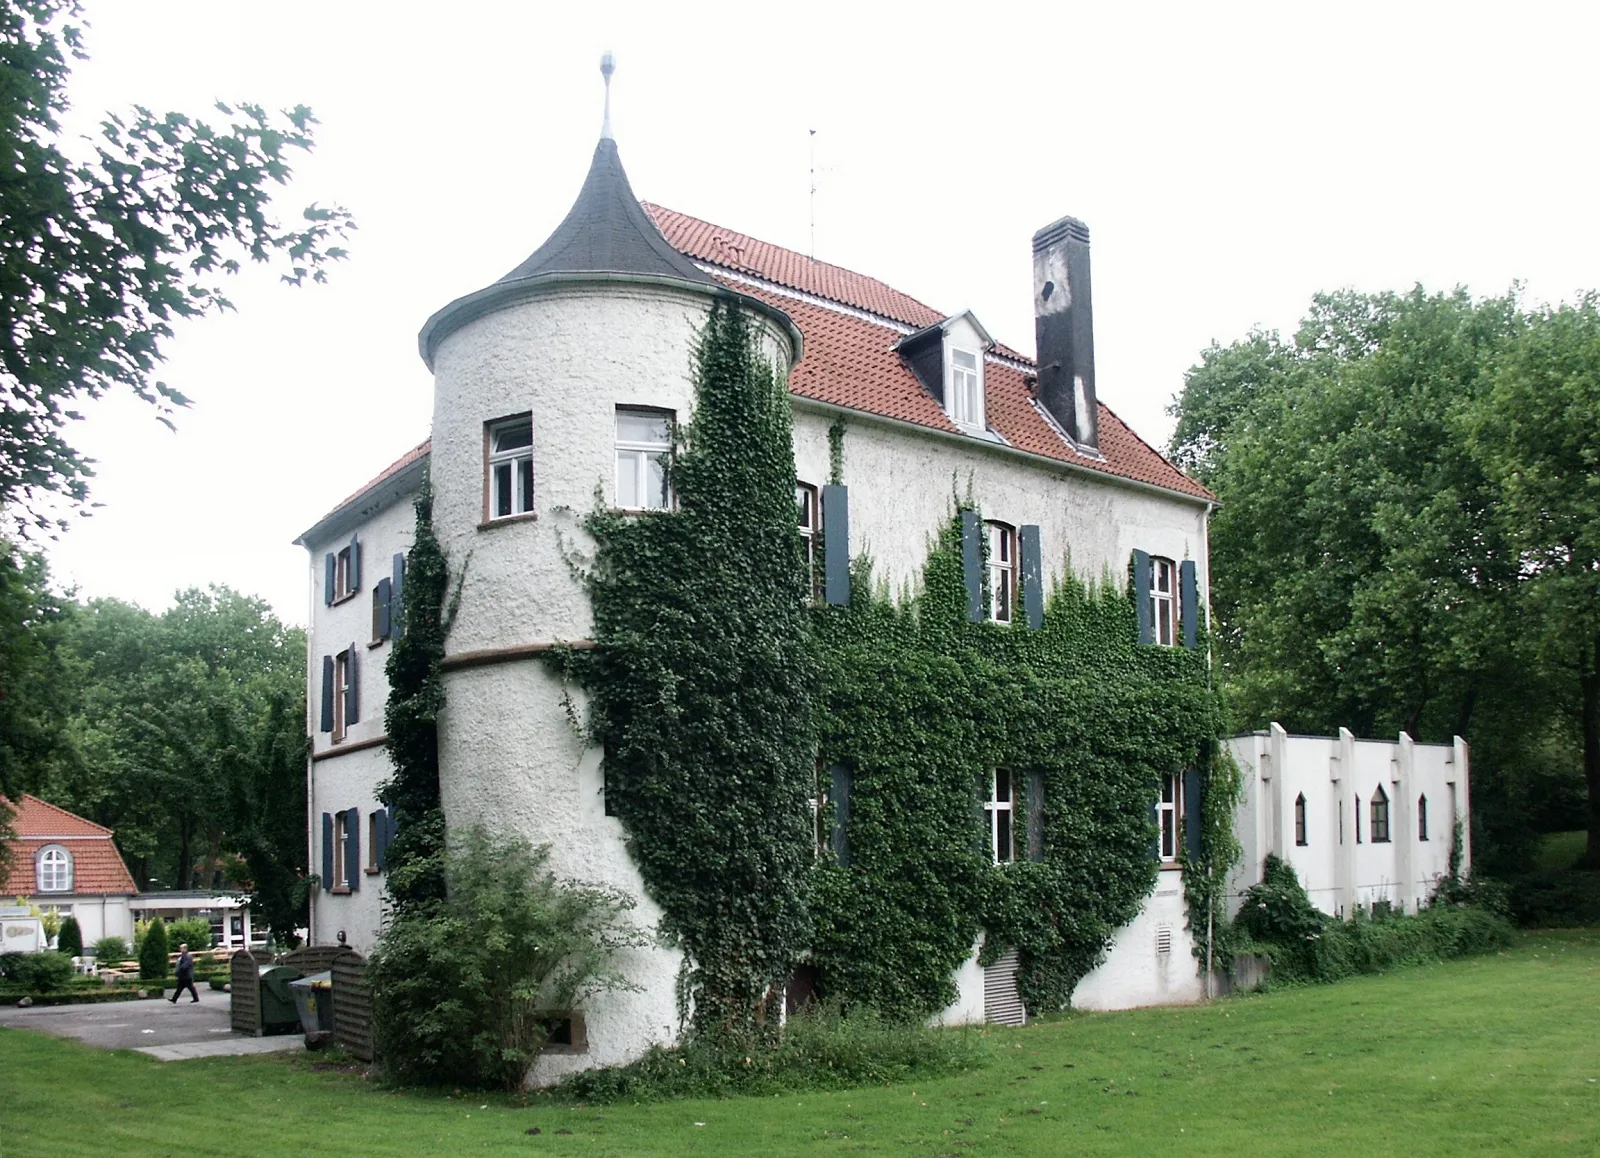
(554,390)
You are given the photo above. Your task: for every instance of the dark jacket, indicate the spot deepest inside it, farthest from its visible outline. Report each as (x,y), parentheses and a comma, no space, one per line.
(185,967)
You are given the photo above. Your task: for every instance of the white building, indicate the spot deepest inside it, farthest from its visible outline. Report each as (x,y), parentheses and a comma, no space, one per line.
(556,382)
(63,862)
(1360,821)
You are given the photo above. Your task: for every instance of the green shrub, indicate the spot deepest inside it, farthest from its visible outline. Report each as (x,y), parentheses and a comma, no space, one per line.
(36,972)
(69,941)
(192,931)
(1555,899)
(464,990)
(110,950)
(820,1048)
(1278,913)
(153,952)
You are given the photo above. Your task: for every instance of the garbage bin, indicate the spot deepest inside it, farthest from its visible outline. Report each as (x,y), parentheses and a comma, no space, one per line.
(313,998)
(277,999)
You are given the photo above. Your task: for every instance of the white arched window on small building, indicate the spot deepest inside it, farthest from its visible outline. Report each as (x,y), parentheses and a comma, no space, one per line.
(54,869)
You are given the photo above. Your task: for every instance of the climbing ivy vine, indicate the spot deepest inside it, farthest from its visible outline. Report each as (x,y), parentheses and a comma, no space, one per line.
(720,695)
(700,689)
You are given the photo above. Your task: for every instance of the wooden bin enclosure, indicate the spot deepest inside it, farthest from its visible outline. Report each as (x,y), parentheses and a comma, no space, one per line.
(244,989)
(352,1005)
(353,1029)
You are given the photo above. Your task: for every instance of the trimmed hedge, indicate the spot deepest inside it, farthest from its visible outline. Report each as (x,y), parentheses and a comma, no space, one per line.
(76,996)
(1556,899)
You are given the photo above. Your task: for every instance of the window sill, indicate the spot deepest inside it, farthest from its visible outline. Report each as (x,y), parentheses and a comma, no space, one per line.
(525,517)
(371,872)
(1171,866)
(345,598)
(376,643)
(340,890)
(644,510)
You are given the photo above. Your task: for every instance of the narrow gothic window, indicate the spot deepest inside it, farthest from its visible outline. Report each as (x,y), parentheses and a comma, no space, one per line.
(1300,820)
(1380,816)
(1422,818)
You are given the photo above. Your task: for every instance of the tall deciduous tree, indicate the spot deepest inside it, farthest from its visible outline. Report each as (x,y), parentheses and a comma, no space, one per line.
(99,256)
(1538,435)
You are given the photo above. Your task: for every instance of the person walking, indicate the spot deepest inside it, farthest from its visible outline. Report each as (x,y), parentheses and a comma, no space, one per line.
(185,976)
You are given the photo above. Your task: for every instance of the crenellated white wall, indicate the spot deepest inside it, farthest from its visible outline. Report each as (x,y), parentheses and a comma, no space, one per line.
(1338,872)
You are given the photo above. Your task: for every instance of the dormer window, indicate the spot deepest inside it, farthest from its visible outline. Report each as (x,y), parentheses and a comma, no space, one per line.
(55,870)
(965,394)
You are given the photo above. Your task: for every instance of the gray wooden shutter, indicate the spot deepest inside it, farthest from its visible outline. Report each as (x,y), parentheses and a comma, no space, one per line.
(1032,575)
(352,692)
(972,563)
(1189,602)
(380,836)
(330,569)
(1191,813)
(1141,594)
(352,849)
(327,693)
(1155,824)
(397,601)
(836,544)
(839,797)
(1036,816)
(355,564)
(327,850)
(381,601)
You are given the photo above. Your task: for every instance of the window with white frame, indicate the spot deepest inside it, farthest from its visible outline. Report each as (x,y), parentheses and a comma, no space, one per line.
(1164,600)
(808,515)
(344,574)
(1380,816)
(510,466)
(376,823)
(1001,809)
(1002,571)
(341,693)
(965,395)
(55,869)
(1169,815)
(341,841)
(644,453)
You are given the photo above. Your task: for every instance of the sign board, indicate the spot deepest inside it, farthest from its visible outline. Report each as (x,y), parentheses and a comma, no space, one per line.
(21,935)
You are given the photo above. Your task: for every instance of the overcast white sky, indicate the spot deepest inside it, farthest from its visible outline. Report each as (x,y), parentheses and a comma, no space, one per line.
(1230,160)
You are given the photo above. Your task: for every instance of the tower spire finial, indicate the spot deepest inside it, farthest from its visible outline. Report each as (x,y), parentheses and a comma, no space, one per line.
(608,65)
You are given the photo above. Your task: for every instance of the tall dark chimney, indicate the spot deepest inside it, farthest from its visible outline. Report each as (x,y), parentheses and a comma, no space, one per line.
(1064,328)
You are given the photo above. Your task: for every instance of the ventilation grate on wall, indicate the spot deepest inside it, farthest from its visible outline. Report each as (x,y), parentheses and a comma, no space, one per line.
(1164,940)
(1000,1001)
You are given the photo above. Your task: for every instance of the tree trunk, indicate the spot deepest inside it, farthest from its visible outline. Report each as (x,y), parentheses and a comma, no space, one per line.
(1464,715)
(1590,683)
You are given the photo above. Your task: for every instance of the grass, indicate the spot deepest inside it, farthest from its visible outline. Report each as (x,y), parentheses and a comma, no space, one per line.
(1560,850)
(1491,1054)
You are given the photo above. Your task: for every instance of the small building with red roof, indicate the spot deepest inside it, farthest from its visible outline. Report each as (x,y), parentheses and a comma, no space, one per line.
(59,860)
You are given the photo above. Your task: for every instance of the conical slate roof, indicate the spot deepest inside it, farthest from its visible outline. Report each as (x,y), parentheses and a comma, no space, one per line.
(606,237)
(606,231)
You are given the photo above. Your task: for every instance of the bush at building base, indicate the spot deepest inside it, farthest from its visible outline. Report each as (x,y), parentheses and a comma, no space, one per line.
(35,972)
(110,951)
(69,941)
(465,991)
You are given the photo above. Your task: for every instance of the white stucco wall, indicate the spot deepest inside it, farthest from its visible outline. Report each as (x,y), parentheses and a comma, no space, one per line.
(97,916)
(1338,872)
(1134,972)
(903,482)
(347,775)
(967,1008)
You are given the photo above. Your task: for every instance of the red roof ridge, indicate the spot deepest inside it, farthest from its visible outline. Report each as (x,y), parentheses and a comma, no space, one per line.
(25,811)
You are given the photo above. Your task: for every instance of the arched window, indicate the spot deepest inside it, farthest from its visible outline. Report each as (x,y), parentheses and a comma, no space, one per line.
(55,869)
(1002,571)
(1380,816)
(1300,820)
(1422,817)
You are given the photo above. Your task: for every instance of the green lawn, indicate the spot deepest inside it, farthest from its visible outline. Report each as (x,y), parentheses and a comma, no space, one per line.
(1491,1055)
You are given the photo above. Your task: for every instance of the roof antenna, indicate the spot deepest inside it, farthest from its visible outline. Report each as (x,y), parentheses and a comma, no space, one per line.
(813,253)
(608,65)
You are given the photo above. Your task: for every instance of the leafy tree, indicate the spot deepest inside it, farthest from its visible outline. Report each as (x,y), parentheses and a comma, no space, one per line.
(1362,574)
(153,963)
(1538,435)
(99,256)
(34,672)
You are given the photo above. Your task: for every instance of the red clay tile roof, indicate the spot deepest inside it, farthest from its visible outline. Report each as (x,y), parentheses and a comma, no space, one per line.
(851,362)
(96,865)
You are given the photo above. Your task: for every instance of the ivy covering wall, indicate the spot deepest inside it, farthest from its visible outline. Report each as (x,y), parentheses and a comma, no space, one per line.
(724,702)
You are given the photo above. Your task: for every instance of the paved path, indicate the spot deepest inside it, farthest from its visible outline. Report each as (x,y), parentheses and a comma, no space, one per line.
(156,1027)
